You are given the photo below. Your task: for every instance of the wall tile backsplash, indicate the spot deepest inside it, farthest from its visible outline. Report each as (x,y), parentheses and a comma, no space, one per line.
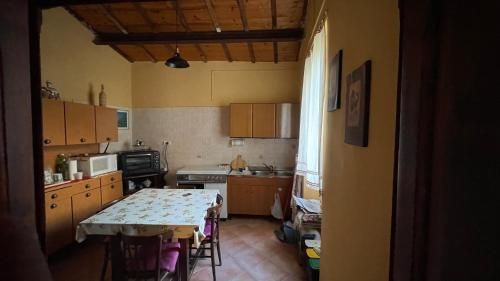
(200,136)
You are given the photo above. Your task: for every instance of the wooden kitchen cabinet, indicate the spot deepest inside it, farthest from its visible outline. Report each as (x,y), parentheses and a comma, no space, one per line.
(249,195)
(264,120)
(58,223)
(53,122)
(80,123)
(106,127)
(111,192)
(85,204)
(240,120)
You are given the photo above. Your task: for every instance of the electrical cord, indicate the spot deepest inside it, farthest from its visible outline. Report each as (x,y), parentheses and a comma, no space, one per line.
(165,156)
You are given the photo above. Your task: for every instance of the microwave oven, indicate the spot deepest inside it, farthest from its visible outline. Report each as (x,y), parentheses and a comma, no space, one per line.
(139,162)
(94,165)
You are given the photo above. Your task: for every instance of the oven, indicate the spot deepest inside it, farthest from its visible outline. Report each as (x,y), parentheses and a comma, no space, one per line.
(139,162)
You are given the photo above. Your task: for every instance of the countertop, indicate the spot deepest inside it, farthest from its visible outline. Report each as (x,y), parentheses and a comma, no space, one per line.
(246,173)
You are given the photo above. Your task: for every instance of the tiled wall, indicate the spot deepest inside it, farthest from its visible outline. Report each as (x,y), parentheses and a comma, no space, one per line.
(200,136)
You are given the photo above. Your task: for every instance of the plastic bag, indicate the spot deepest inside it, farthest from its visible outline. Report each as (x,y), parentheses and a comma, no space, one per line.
(276,210)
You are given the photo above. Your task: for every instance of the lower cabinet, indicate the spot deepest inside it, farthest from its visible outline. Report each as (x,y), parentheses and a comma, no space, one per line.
(59,224)
(111,192)
(85,204)
(255,195)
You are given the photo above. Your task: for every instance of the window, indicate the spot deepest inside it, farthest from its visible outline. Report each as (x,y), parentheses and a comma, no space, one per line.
(311,115)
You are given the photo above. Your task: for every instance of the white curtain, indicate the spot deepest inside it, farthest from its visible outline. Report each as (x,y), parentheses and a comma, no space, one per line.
(313,88)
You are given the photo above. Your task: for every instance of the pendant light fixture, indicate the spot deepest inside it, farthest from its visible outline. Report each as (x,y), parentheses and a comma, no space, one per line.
(177,61)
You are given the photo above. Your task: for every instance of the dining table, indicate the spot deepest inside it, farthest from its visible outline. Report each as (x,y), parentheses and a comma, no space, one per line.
(179,213)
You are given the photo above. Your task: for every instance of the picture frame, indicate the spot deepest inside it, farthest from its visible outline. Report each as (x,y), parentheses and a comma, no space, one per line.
(122,119)
(334,82)
(358,105)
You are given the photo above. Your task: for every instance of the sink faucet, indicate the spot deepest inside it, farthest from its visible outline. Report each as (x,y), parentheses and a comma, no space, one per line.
(270,167)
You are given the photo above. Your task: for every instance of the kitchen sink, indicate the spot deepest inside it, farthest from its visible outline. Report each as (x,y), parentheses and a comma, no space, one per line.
(272,173)
(262,173)
(283,173)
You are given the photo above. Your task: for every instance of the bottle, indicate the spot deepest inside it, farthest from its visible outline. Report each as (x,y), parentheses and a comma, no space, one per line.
(102,96)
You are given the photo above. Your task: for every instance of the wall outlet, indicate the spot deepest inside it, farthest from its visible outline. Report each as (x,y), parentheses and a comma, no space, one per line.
(166,142)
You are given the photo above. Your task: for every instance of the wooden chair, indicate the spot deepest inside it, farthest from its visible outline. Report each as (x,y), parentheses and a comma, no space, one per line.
(148,258)
(212,238)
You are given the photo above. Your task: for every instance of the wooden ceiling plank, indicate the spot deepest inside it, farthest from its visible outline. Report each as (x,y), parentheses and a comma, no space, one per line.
(304,13)
(46,4)
(278,35)
(227,53)
(145,17)
(148,54)
(211,13)
(251,52)
(185,25)
(275,25)
(80,19)
(123,54)
(202,53)
(169,48)
(109,14)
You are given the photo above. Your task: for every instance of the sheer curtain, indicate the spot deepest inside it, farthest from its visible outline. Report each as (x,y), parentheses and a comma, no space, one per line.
(313,88)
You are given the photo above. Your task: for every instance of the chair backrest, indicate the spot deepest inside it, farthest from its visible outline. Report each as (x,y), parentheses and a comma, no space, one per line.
(214,216)
(142,257)
(219,199)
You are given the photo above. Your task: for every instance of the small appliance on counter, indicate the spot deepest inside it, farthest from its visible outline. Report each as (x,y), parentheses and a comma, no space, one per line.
(141,169)
(96,164)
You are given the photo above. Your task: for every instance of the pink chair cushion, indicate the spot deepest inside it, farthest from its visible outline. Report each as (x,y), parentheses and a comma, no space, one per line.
(208,228)
(168,260)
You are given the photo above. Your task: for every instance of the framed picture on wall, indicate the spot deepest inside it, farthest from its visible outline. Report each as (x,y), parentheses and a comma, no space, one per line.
(334,81)
(358,105)
(122,119)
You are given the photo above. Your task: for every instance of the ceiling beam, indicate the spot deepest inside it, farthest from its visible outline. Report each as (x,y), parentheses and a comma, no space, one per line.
(244,22)
(251,52)
(46,4)
(119,51)
(226,52)
(211,13)
(145,17)
(148,53)
(111,17)
(278,35)
(275,26)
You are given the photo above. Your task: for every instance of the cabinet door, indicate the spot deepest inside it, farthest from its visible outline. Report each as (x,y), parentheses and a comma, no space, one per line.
(58,224)
(239,199)
(53,122)
(264,120)
(240,120)
(106,127)
(85,205)
(80,123)
(263,198)
(111,192)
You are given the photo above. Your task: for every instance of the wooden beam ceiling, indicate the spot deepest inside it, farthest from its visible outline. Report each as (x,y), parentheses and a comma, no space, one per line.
(46,4)
(275,26)
(278,35)
(213,18)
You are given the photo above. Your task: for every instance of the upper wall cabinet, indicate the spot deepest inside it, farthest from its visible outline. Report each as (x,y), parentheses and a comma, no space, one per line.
(53,122)
(105,124)
(80,123)
(241,120)
(264,120)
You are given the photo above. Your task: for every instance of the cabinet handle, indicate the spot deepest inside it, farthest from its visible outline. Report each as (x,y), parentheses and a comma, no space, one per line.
(88,194)
(87,185)
(108,138)
(112,186)
(112,179)
(47,141)
(53,206)
(83,140)
(54,196)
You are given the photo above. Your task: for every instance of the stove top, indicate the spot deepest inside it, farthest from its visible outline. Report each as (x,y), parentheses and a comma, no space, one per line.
(203,170)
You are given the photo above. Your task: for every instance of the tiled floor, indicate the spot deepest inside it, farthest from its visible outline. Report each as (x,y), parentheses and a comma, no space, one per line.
(250,252)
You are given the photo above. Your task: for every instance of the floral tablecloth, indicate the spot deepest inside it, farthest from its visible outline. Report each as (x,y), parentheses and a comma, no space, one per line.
(151,212)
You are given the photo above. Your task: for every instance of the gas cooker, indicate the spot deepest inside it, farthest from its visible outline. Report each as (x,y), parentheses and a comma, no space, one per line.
(202,174)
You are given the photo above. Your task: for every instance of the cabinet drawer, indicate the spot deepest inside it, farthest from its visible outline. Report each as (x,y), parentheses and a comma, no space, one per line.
(85,205)
(111,178)
(87,185)
(61,193)
(111,192)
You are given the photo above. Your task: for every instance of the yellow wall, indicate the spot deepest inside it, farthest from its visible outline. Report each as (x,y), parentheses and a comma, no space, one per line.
(76,66)
(357,194)
(214,83)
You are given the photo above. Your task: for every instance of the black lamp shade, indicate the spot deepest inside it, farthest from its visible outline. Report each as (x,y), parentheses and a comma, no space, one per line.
(177,61)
